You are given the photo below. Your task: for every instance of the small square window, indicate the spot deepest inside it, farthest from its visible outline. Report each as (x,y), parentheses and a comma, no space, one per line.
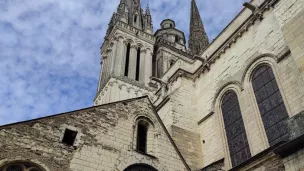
(69,137)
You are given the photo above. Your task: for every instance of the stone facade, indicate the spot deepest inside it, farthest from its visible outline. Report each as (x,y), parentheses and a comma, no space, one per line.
(227,64)
(258,57)
(105,140)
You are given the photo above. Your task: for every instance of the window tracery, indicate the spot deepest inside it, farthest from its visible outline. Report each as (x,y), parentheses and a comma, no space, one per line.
(235,129)
(271,104)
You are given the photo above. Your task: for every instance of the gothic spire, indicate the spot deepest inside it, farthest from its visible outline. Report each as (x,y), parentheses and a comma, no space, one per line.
(148,10)
(198,39)
(148,26)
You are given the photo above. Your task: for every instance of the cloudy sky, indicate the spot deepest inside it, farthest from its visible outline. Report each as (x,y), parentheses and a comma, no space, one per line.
(49,49)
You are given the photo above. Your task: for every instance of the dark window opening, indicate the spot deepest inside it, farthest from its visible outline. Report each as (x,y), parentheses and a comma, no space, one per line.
(176,39)
(135,18)
(172,63)
(137,64)
(171,25)
(69,137)
(15,168)
(127,60)
(235,129)
(154,66)
(271,105)
(142,131)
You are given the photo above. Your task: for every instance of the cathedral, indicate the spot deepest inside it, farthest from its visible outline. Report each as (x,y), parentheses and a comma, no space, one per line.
(235,103)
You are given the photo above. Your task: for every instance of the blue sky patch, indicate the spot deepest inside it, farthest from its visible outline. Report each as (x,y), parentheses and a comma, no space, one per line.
(49,49)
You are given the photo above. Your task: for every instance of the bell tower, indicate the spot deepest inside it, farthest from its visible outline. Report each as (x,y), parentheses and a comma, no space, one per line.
(126,55)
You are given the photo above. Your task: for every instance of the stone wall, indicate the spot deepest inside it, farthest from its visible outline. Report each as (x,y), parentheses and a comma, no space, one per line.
(295,162)
(105,140)
(267,162)
(266,41)
(294,35)
(122,88)
(189,145)
(232,72)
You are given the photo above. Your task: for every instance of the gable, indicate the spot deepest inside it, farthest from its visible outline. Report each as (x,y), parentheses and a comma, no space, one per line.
(105,134)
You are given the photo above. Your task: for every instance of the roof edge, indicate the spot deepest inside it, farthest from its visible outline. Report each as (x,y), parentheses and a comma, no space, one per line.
(65,113)
(169,136)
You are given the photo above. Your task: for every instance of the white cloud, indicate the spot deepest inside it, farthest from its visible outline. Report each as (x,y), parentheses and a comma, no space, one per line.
(49,49)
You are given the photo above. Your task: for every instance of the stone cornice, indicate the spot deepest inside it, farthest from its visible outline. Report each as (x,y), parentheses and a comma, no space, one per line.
(226,45)
(269,3)
(238,33)
(265,6)
(175,54)
(170,28)
(170,45)
(126,80)
(130,30)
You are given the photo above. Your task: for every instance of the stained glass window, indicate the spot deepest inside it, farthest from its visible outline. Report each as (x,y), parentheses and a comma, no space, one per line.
(271,104)
(235,129)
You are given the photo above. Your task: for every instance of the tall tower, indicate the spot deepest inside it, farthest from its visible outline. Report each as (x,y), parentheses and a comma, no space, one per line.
(198,40)
(169,47)
(126,55)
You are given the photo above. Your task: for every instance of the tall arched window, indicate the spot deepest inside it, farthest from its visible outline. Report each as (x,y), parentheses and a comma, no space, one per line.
(127,60)
(137,64)
(271,104)
(235,129)
(20,166)
(142,133)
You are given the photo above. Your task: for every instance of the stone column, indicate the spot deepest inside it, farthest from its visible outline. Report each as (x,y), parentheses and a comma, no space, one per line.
(132,62)
(121,49)
(104,68)
(142,66)
(100,76)
(165,63)
(148,66)
(113,55)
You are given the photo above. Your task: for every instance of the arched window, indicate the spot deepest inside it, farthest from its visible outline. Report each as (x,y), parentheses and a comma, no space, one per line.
(135,18)
(235,129)
(271,104)
(140,167)
(137,64)
(127,60)
(142,133)
(21,166)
